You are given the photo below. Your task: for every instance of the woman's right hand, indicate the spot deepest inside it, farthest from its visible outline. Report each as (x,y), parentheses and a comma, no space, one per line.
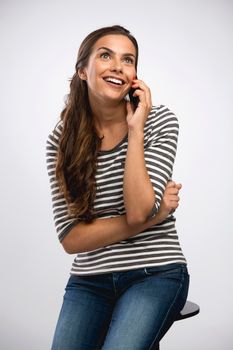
(170,200)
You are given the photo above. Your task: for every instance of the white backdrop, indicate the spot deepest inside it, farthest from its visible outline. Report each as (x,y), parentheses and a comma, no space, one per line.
(186,56)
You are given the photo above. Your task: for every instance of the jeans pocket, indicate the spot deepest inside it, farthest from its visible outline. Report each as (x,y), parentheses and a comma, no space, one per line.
(171,270)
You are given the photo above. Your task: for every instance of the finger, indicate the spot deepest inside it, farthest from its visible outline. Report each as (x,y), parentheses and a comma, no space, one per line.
(140,83)
(172,191)
(143,87)
(140,93)
(174,204)
(170,184)
(176,199)
(142,98)
(179,186)
(129,108)
(173,184)
(173,197)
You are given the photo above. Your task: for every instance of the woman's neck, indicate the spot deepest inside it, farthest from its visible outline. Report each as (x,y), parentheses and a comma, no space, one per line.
(109,118)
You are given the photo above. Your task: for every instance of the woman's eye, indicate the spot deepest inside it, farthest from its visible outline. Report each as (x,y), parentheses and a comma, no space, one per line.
(128,60)
(104,55)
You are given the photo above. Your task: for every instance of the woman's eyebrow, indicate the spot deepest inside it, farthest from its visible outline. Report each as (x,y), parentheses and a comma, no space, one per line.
(113,52)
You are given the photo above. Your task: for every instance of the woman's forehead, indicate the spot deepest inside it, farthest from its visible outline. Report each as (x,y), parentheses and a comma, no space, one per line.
(115,42)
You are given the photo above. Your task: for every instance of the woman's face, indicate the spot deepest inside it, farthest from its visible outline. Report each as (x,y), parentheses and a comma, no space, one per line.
(110,69)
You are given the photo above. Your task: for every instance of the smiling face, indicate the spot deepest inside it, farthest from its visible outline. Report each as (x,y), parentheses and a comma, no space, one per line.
(110,69)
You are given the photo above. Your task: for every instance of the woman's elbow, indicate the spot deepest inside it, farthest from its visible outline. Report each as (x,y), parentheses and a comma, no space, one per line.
(69,246)
(133,220)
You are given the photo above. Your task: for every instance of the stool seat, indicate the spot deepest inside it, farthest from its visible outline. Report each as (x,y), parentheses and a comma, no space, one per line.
(189,310)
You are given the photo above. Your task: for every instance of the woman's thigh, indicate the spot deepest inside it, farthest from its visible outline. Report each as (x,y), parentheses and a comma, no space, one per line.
(147,309)
(84,317)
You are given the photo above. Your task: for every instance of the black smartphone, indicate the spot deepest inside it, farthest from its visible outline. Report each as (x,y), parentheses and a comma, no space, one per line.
(133,99)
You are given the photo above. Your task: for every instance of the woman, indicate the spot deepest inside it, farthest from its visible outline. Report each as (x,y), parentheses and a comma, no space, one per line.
(110,164)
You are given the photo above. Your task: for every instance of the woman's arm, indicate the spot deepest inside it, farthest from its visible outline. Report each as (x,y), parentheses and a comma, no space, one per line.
(148,167)
(139,195)
(79,237)
(102,232)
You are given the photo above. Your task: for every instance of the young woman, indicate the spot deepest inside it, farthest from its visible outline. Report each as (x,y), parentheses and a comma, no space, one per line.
(110,164)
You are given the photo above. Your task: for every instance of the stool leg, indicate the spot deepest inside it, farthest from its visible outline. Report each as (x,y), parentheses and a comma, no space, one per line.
(156,347)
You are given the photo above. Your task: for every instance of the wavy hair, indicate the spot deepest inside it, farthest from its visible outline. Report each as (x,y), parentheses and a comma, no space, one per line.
(79,142)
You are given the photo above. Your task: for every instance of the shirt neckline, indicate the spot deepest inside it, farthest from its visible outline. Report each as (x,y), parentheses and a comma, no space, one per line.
(115,147)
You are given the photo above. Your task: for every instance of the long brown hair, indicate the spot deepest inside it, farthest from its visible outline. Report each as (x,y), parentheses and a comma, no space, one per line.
(79,142)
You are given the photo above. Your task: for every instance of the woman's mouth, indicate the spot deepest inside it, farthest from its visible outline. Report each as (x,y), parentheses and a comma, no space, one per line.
(117,82)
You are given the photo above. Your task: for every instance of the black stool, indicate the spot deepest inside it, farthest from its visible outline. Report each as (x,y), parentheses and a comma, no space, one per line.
(190,309)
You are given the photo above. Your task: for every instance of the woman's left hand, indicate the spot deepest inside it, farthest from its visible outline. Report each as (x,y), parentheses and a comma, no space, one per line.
(170,200)
(136,119)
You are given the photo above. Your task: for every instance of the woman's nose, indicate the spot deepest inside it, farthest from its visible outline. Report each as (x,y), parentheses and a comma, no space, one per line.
(116,66)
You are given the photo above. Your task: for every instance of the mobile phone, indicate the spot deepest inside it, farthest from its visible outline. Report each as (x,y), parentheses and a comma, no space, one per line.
(133,99)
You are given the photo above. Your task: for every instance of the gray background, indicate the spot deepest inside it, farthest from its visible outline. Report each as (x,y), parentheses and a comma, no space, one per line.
(186,58)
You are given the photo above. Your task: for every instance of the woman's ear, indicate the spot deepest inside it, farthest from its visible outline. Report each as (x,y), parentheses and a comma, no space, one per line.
(82,74)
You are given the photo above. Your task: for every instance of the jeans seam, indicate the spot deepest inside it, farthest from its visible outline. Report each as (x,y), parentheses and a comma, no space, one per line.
(145,270)
(165,318)
(114,283)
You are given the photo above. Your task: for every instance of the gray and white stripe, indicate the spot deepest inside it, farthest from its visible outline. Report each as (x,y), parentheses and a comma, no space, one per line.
(158,245)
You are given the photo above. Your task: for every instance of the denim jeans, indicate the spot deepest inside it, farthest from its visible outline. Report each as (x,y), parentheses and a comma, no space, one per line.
(127,310)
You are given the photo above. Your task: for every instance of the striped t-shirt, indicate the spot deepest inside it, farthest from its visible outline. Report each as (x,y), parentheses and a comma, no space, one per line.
(156,246)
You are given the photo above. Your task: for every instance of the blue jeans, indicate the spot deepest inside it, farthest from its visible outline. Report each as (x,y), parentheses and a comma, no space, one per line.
(127,310)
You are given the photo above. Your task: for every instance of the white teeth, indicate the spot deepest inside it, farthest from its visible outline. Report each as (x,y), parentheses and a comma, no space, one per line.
(113,80)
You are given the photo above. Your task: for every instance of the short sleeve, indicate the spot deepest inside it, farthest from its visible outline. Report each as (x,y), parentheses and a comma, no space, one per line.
(63,221)
(162,131)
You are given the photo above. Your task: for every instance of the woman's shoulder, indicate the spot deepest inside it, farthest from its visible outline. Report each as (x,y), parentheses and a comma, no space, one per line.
(162,114)
(161,120)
